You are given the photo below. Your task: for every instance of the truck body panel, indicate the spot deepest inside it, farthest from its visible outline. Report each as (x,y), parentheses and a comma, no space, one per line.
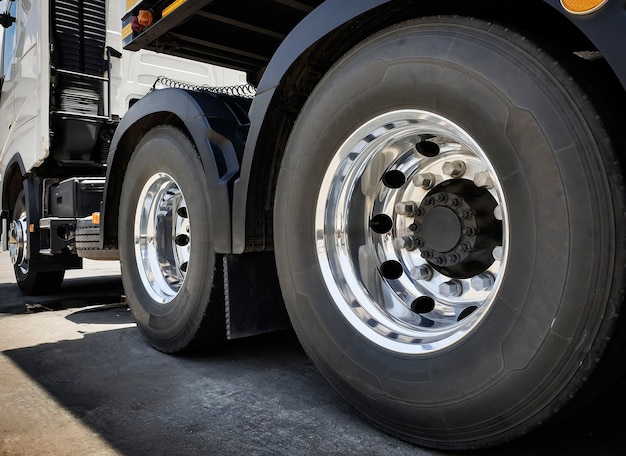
(24,125)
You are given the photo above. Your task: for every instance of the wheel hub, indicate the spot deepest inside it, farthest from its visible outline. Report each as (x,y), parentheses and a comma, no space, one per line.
(411,231)
(456,228)
(441,230)
(162,237)
(18,241)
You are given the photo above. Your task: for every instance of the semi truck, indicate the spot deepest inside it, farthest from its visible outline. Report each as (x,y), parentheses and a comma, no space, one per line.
(429,193)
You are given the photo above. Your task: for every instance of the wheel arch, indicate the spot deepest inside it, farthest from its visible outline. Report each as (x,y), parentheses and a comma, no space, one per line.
(311,49)
(12,183)
(191,112)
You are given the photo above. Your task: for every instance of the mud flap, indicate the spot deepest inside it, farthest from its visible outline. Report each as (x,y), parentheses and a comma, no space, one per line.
(254,303)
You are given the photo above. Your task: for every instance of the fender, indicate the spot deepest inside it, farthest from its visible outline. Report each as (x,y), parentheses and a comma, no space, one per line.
(8,180)
(611,17)
(202,114)
(332,14)
(324,19)
(11,186)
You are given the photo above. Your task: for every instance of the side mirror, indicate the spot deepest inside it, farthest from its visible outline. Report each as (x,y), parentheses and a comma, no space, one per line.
(6,20)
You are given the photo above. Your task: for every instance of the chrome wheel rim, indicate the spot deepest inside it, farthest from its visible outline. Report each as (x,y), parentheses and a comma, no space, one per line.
(162,237)
(411,232)
(18,242)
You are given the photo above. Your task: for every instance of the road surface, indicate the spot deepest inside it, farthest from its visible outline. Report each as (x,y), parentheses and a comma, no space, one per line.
(77,378)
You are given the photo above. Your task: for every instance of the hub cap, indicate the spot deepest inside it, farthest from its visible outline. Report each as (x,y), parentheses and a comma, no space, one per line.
(411,231)
(162,237)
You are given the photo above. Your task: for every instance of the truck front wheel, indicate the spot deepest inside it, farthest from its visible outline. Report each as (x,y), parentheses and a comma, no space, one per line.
(29,277)
(170,272)
(449,232)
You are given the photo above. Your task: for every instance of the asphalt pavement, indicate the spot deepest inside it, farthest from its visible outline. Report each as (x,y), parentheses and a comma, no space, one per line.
(77,378)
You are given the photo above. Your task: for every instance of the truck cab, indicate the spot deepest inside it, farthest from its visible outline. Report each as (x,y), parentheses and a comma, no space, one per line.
(66,84)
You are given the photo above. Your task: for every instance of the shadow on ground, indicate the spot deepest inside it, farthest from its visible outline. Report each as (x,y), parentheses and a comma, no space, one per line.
(74,293)
(254,396)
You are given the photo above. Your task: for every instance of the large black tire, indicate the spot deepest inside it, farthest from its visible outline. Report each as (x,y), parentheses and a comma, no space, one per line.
(485,302)
(30,277)
(174,291)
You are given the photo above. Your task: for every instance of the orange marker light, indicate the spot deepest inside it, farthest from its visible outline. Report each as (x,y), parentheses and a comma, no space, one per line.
(95,218)
(31,228)
(582,6)
(145,18)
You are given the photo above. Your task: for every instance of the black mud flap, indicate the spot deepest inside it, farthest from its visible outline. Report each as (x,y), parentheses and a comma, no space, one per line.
(254,303)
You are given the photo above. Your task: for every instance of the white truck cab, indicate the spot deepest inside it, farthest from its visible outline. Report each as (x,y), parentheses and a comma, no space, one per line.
(66,83)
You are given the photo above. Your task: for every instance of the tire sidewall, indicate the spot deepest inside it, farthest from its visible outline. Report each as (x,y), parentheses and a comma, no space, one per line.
(545,319)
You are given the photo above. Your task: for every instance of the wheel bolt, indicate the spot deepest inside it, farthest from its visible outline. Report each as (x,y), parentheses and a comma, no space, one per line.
(454,258)
(469,231)
(425,180)
(440,261)
(406,208)
(452,288)
(465,215)
(441,197)
(464,247)
(405,242)
(482,282)
(483,179)
(497,253)
(422,272)
(454,168)
(414,227)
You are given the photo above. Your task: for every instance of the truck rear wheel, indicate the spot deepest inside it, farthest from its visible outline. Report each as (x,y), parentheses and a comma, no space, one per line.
(170,272)
(29,277)
(451,248)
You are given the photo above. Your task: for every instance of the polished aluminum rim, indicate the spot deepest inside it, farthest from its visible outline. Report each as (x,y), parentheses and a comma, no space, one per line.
(18,242)
(162,237)
(411,231)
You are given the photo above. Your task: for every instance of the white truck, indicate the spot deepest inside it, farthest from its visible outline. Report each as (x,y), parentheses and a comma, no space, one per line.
(66,83)
(432,190)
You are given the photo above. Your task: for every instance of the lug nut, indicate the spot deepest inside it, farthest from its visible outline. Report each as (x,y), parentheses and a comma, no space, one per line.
(406,208)
(425,180)
(469,231)
(450,289)
(454,258)
(422,272)
(497,212)
(405,242)
(497,253)
(465,215)
(483,179)
(414,227)
(464,247)
(454,168)
(483,282)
